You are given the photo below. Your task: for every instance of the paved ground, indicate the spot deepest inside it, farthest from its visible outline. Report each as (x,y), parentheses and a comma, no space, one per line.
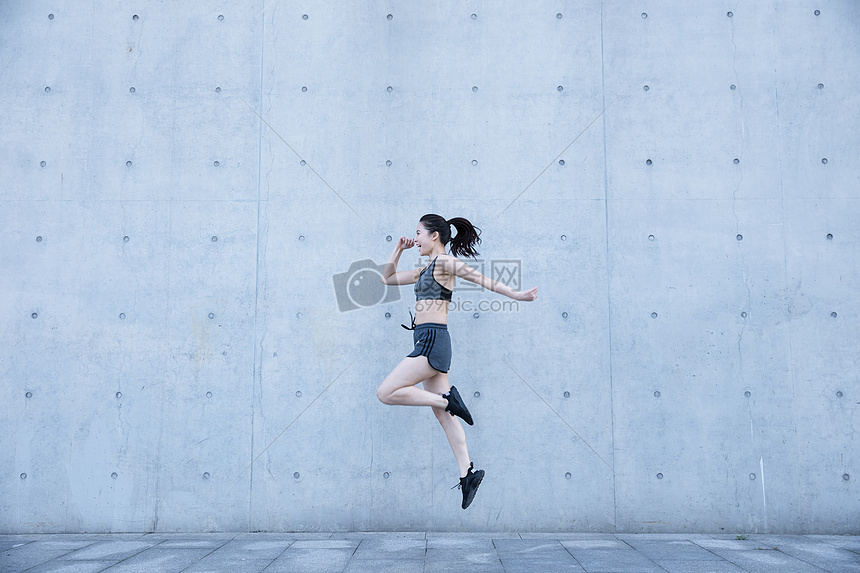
(426,553)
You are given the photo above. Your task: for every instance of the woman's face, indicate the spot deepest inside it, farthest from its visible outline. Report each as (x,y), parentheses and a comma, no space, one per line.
(423,240)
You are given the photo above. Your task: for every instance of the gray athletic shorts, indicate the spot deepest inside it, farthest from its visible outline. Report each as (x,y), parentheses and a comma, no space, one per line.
(432,340)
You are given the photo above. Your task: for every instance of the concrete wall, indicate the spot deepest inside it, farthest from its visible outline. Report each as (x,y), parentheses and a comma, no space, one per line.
(170,263)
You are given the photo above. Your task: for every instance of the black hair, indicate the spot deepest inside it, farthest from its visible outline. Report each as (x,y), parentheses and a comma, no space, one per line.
(467,234)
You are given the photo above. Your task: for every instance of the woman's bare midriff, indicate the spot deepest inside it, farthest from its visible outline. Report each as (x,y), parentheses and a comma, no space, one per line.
(431,311)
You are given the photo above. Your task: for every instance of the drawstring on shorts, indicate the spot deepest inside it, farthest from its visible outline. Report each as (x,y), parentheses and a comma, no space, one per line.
(413,322)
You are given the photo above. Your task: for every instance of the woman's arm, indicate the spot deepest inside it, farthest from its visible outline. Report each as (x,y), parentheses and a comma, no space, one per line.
(389,274)
(464,271)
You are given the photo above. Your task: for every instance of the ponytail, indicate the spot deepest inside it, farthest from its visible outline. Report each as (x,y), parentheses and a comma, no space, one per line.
(465,240)
(467,236)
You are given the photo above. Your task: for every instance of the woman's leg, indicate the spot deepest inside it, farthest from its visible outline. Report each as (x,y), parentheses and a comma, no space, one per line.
(399,389)
(438,384)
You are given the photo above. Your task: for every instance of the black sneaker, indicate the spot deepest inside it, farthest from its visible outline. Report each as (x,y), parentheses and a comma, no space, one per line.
(456,406)
(469,484)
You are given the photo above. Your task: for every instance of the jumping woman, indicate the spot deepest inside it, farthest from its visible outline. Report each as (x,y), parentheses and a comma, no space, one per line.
(428,363)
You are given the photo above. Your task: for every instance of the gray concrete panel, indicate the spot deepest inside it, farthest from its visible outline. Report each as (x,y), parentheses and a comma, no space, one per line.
(184,191)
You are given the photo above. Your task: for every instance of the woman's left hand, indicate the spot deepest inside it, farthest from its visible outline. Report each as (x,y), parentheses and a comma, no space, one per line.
(530,294)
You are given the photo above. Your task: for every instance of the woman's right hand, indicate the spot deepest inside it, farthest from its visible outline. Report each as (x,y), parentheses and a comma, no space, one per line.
(405,243)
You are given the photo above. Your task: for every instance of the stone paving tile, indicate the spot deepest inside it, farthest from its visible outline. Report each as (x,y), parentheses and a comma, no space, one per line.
(450,541)
(446,564)
(160,560)
(662,536)
(529,555)
(849,542)
(771,561)
(110,550)
(789,552)
(837,559)
(777,539)
(470,535)
(14,543)
(350,544)
(269,549)
(455,567)
(541,563)
(467,559)
(614,560)
(385,566)
(788,540)
(90,536)
(188,540)
(672,550)
(232,565)
(311,561)
(720,546)
(72,567)
(595,543)
(526,546)
(391,548)
(37,552)
(567,536)
(700,566)
(379,534)
(212,544)
(295,536)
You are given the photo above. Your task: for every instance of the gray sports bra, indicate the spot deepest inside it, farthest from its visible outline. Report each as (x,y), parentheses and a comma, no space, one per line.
(428,288)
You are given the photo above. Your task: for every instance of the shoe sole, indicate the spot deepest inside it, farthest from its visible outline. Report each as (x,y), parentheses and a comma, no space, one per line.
(474,490)
(467,420)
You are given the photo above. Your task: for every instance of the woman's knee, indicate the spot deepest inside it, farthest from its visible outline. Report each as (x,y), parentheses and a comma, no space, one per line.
(383,395)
